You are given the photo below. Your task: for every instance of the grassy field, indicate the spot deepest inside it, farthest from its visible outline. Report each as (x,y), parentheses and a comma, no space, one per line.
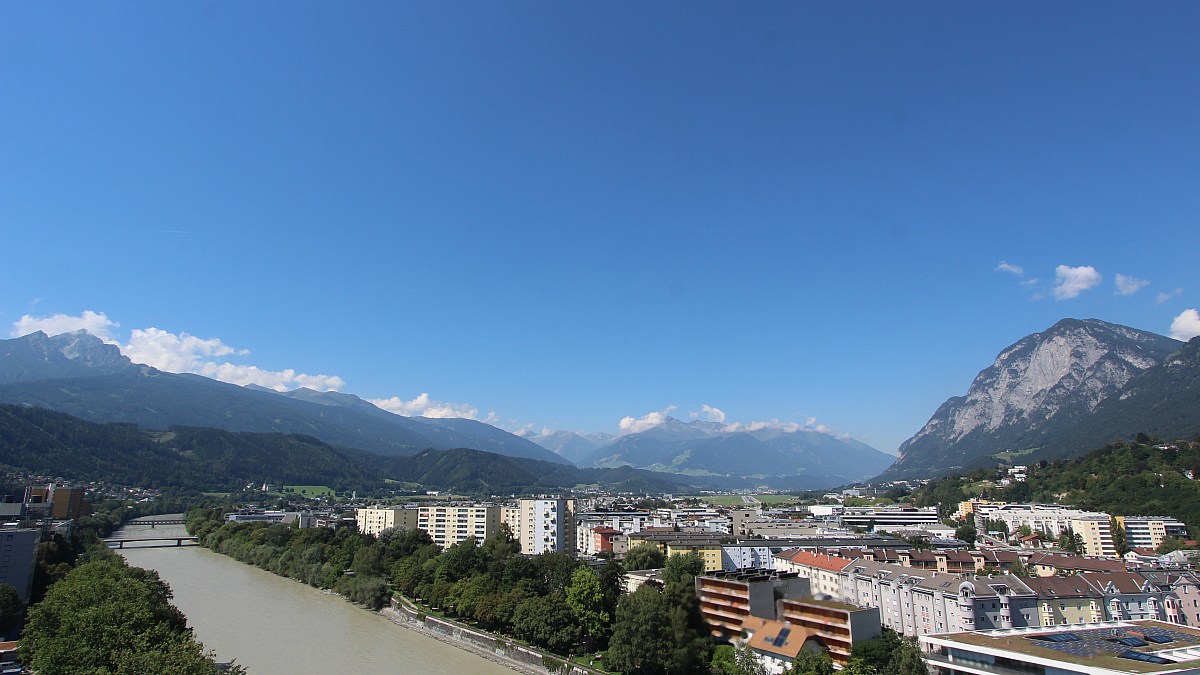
(310,490)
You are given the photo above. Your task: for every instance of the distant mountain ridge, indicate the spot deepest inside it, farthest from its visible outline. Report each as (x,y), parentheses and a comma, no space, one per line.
(1059,392)
(199,458)
(78,374)
(701,448)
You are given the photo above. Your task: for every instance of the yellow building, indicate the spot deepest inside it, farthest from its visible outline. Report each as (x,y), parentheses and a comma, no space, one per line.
(710,552)
(449,525)
(966,510)
(1066,600)
(374,521)
(1096,532)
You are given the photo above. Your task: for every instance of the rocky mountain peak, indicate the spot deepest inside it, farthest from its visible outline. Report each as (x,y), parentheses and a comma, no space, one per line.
(1061,373)
(37,356)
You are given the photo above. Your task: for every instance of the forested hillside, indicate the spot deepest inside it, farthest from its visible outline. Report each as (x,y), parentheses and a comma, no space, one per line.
(48,442)
(1146,477)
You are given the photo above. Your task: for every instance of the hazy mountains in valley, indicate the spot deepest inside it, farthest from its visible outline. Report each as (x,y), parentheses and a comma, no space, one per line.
(699,448)
(1064,391)
(49,442)
(78,374)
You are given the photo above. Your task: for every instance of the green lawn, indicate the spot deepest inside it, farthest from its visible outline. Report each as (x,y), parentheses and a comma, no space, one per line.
(310,490)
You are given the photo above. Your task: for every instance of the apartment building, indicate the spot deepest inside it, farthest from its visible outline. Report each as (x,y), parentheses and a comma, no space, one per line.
(1096,532)
(450,524)
(1150,531)
(375,520)
(59,502)
(545,525)
(727,599)
(835,626)
(890,518)
(18,559)
(824,572)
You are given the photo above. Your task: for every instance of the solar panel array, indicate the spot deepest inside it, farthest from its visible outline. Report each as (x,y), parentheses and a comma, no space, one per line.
(1107,642)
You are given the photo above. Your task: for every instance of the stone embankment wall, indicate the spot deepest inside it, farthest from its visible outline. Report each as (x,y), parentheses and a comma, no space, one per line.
(497,644)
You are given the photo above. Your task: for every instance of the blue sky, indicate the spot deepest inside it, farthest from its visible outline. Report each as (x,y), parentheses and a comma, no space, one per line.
(559,215)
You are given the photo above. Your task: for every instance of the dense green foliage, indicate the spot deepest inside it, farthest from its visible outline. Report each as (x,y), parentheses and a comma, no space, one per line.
(682,567)
(1145,477)
(107,617)
(888,654)
(548,600)
(644,556)
(659,631)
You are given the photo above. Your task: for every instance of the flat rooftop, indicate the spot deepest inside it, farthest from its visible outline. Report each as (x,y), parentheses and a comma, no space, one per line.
(1126,646)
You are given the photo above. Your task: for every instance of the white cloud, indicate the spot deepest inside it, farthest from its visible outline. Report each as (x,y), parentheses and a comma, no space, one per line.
(758,424)
(180,353)
(1010,268)
(96,323)
(710,414)
(1127,285)
(423,406)
(1167,295)
(177,353)
(183,353)
(1186,326)
(1029,283)
(1071,281)
(630,425)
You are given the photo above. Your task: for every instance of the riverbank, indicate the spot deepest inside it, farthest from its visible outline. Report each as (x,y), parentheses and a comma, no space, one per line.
(519,657)
(404,621)
(273,625)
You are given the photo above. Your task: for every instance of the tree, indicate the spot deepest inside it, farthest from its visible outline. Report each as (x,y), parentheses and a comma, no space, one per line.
(586,600)
(10,607)
(740,660)
(612,585)
(546,621)
(889,654)
(683,567)
(966,533)
(812,662)
(644,556)
(1118,536)
(639,640)
(107,617)
(1070,542)
(691,642)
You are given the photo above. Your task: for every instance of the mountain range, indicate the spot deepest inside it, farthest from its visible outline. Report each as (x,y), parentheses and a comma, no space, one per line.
(1061,392)
(701,448)
(1057,393)
(78,374)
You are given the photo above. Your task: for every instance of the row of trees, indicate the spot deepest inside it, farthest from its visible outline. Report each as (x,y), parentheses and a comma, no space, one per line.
(92,613)
(550,600)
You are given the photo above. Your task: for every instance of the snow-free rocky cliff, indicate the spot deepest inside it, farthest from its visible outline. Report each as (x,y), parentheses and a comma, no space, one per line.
(1037,388)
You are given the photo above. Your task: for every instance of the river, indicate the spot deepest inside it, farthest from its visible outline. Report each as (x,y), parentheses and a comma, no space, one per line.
(272,625)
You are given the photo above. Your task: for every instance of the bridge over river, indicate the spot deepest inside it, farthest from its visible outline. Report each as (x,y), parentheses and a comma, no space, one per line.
(136,533)
(148,542)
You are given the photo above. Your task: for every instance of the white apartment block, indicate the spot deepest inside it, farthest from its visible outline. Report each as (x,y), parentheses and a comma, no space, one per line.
(545,525)
(1047,519)
(889,518)
(374,521)
(449,525)
(1150,531)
